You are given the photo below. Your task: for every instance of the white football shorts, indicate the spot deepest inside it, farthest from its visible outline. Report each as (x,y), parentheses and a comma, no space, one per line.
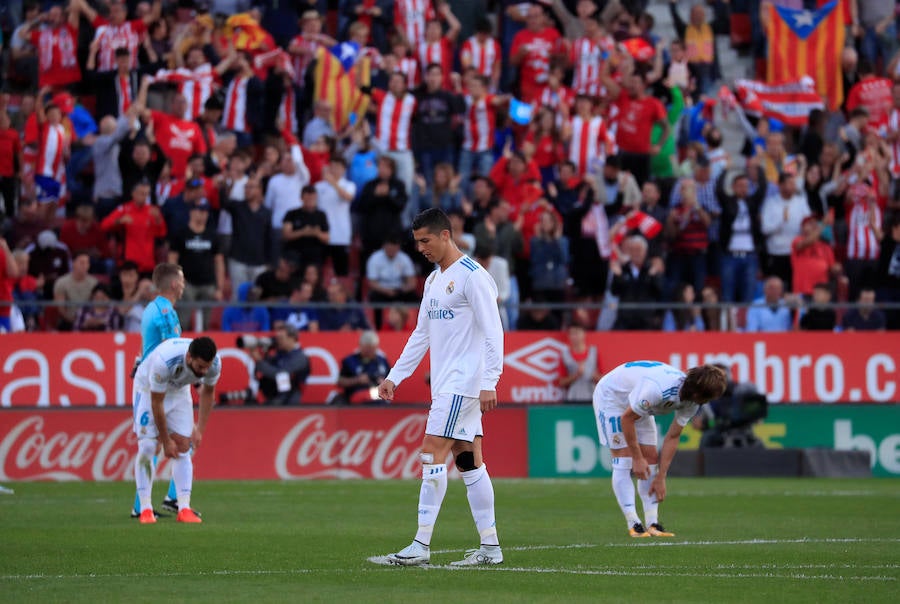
(454,416)
(609,424)
(179,408)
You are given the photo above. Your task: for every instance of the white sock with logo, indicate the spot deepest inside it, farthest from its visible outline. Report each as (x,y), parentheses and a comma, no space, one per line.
(651,505)
(183,473)
(144,470)
(480,492)
(623,487)
(431,495)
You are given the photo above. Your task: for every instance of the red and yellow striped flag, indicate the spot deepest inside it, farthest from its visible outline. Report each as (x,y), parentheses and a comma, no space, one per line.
(808,43)
(339,87)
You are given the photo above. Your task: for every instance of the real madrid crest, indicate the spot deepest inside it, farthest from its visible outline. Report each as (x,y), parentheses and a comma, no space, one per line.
(450,288)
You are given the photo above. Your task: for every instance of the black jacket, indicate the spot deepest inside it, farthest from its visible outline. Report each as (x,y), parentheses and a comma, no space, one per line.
(729,204)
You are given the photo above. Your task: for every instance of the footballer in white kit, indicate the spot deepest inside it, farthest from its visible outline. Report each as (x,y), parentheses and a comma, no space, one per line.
(164,414)
(459,323)
(625,401)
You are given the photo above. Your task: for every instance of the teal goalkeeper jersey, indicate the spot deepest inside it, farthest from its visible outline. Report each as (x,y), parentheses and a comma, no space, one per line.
(158,323)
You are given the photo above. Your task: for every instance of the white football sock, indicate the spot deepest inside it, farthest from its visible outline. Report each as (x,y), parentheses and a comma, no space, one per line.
(144,470)
(651,505)
(431,495)
(623,487)
(480,492)
(183,474)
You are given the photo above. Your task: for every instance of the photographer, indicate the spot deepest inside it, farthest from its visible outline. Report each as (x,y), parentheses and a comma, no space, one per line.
(362,372)
(728,421)
(281,368)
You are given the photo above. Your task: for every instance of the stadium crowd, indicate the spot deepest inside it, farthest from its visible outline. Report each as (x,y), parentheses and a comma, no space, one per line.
(278,151)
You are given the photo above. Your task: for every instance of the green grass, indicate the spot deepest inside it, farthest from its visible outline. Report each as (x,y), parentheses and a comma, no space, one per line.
(744,540)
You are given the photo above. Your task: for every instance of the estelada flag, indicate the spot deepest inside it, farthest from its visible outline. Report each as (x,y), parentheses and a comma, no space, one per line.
(335,81)
(247,34)
(807,43)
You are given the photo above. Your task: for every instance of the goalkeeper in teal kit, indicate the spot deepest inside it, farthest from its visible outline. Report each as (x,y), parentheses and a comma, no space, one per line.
(159,323)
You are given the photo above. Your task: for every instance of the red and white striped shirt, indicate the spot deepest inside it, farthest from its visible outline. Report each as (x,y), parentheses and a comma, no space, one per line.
(861,241)
(893,125)
(440,52)
(52,152)
(410,67)
(127,35)
(234,116)
(587,58)
(478,129)
(394,123)
(410,17)
(590,142)
(554,99)
(195,85)
(301,61)
(482,57)
(57,56)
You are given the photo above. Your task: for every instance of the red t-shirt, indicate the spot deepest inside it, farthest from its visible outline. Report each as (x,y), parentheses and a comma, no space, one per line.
(140,234)
(875,95)
(547,151)
(810,265)
(10,146)
(535,67)
(179,139)
(93,239)
(57,55)
(636,118)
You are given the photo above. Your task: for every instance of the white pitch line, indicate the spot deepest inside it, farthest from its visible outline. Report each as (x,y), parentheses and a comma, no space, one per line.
(749,542)
(213,573)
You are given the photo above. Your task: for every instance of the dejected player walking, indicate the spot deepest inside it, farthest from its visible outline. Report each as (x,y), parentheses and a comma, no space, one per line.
(459,323)
(625,401)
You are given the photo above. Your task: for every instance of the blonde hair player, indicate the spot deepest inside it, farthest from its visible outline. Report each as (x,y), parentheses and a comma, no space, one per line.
(625,401)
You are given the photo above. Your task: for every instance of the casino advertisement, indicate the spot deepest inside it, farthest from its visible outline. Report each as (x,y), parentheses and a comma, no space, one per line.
(92,370)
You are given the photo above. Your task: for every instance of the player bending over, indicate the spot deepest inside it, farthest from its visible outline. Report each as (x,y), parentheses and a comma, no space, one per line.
(164,415)
(625,401)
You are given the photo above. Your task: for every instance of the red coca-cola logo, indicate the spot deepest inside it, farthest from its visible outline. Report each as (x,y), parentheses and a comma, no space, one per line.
(312,450)
(29,453)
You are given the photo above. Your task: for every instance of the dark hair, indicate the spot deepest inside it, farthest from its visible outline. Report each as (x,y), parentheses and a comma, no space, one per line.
(432,219)
(483,26)
(128,265)
(203,348)
(308,190)
(122,51)
(703,383)
(433,66)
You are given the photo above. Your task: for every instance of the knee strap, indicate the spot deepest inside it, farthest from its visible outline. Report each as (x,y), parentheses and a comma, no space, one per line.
(465,461)
(621,463)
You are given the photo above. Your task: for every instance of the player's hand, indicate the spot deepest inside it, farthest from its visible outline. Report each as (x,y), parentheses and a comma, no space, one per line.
(170,449)
(196,437)
(640,468)
(386,390)
(488,400)
(658,487)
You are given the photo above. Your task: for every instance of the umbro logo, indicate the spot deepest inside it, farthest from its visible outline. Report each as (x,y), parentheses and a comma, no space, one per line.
(539,359)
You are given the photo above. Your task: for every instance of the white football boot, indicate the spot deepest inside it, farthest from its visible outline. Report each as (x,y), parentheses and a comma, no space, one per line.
(414,554)
(486,555)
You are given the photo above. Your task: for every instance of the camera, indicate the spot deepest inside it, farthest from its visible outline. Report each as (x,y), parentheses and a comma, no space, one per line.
(249,341)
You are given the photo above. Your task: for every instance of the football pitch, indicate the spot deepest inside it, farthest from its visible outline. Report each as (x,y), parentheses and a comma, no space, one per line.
(738,540)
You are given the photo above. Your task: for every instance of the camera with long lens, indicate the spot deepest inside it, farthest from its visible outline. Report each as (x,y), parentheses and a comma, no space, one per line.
(249,342)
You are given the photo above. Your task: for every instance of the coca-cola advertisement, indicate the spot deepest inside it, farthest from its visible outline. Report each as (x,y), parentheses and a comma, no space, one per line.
(91,370)
(248,444)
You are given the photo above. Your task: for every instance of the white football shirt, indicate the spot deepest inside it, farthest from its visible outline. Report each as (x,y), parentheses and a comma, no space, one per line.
(649,388)
(460,322)
(165,371)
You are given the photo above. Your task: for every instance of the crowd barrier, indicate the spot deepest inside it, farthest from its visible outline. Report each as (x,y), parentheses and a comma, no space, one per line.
(84,369)
(541,441)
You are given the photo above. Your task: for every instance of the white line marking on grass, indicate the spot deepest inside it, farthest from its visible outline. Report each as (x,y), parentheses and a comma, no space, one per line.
(212,573)
(750,542)
(526,548)
(645,573)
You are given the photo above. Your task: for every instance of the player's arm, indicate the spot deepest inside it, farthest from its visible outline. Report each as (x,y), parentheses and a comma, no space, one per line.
(639,465)
(207,400)
(482,295)
(410,358)
(666,454)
